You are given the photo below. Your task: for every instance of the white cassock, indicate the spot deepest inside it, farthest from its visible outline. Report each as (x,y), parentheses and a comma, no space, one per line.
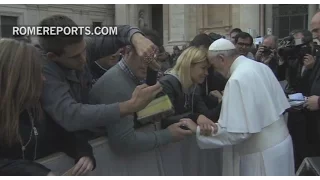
(251,127)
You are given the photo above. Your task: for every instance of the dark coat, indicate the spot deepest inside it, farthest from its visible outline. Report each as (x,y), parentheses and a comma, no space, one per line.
(312,82)
(186,105)
(51,138)
(214,81)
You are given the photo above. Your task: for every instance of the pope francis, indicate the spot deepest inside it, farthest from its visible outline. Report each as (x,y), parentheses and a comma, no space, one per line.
(251,128)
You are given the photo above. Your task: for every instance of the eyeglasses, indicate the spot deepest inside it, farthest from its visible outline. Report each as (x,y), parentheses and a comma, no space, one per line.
(244,44)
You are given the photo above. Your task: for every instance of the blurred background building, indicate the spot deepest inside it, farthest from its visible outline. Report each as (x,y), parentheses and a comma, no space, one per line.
(176,23)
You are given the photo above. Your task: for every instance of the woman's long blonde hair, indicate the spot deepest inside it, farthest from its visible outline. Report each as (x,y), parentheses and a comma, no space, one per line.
(188,57)
(21,86)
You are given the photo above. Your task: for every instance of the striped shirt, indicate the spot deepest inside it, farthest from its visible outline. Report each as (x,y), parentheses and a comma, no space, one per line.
(123,65)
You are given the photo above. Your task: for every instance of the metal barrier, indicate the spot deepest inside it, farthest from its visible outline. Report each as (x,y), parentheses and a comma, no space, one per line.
(175,159)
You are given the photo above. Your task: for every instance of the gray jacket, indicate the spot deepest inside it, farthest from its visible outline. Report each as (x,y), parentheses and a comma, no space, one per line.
(114,86)
(65,93)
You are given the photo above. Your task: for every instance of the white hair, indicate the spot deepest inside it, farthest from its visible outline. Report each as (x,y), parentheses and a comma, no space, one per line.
(274,39)
(226,53)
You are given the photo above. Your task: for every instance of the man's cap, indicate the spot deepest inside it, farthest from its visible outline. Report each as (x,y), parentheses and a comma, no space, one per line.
(221,45)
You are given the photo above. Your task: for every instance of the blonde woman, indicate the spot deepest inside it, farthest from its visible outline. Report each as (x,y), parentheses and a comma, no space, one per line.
(181,84)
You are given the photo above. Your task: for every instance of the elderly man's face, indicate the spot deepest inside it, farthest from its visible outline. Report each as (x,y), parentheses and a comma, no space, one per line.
(315,26)
(220,64)
(269,43)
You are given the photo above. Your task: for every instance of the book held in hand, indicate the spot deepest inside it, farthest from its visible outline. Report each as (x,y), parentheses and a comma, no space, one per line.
(156,107)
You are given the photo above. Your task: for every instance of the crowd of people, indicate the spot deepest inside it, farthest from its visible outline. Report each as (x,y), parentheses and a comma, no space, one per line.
(60,93)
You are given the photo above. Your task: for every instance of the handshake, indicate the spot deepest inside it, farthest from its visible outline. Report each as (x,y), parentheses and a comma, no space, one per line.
(187,127)
(207,127)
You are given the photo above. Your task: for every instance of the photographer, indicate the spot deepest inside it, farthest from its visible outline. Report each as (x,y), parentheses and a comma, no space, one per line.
(312,77)
(298,58)
(268,54)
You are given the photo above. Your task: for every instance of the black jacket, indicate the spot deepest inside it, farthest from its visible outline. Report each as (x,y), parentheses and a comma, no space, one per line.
(311,80)
(214,81)
(186,105)
(51,138)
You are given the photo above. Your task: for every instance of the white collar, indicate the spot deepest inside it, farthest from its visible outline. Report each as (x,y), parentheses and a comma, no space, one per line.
(236,63)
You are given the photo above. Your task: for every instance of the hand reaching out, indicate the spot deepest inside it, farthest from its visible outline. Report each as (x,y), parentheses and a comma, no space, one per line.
(146,49)
(207,127)
(190,124)
(259,53)
(143,95)
(312,103)
(83,166)
(177,132)
(308,61)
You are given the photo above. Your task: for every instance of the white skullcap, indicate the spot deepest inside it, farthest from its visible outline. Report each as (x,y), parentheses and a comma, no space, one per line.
(221,45)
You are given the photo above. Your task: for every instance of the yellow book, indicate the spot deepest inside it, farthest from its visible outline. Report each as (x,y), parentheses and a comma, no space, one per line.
(157,106)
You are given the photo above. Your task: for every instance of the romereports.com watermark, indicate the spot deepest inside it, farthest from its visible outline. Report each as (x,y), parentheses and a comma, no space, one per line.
(68,31)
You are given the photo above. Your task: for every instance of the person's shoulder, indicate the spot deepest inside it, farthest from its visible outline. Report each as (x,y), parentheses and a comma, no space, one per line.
(111,76)
(169,79)
(115,73)
(170,84)
(52,69)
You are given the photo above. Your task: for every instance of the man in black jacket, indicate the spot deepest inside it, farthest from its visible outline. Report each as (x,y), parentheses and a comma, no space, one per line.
(313,101)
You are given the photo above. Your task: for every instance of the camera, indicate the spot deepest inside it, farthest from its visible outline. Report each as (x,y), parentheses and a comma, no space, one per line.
(295,51)
(266,51)
(290,48)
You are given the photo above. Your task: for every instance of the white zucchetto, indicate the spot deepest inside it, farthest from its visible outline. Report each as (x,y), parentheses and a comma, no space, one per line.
(221,45)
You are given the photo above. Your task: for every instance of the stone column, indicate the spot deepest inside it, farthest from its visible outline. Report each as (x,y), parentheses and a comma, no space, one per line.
(312,9)
(121,14)
(176,25)
(249,18)
(133,15)
(268,18)
(126,14)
